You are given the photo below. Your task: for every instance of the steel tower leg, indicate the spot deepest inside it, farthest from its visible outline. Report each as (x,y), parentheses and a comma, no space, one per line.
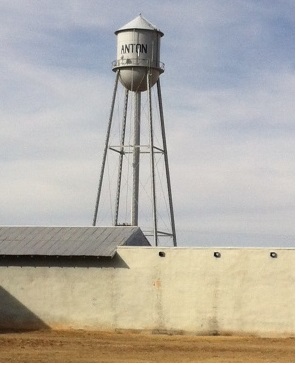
(152,163)
(121,159)
(136,159)
(105,150)
(166,163)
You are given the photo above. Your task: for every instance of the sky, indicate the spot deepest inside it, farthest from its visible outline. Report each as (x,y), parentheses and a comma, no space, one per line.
(228,98)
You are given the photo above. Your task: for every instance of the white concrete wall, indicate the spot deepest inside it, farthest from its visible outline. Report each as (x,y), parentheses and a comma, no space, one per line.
(245,291)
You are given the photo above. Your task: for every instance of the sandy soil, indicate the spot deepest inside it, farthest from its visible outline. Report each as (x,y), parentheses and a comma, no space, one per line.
(86,346)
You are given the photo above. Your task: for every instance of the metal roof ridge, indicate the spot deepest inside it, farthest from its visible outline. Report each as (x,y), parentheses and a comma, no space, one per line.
(62,226)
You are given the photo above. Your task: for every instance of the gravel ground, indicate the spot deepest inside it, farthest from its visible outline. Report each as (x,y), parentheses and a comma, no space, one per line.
(90,346)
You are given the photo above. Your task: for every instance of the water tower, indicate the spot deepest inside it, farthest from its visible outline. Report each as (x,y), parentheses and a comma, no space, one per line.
(138,68)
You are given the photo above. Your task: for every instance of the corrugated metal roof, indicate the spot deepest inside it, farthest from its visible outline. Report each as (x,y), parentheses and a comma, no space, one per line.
(68,241)
(139,23)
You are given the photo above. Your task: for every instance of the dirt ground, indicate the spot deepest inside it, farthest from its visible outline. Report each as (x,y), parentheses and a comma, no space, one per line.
(89,346)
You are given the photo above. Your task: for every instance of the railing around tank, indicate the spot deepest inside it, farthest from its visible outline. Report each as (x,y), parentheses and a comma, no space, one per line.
(138,62)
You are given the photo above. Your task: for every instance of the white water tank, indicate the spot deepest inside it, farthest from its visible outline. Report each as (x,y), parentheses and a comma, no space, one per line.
(138,49)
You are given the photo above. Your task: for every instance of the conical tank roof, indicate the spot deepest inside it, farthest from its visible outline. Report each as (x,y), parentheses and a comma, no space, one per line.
(139,23)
